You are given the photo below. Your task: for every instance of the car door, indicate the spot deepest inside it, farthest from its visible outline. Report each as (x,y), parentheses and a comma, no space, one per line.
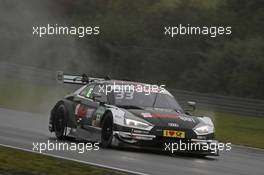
(85,105)
(88,112)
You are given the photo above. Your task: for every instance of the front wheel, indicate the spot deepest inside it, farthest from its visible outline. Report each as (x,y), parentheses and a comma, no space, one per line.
(107,131)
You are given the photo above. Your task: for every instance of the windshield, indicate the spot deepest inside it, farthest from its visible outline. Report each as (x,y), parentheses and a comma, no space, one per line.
(139,99)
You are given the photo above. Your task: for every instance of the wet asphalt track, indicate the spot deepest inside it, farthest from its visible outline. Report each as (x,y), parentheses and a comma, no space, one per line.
(21,129)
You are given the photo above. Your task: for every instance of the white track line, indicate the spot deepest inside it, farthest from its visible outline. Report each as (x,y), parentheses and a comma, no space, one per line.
(248,147)
(76,160)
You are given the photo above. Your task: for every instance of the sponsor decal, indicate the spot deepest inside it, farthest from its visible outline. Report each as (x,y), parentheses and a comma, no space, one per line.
(173,124)
(172,116)
(146,115)
(89,92)
(94,123)
(99,113)
(158,115)
(118,116)
(83,111)
(98,116)
(186,119)
(80,110)
(173,133)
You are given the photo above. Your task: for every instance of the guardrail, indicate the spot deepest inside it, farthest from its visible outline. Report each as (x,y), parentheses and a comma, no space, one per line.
(204,101)
(221,103)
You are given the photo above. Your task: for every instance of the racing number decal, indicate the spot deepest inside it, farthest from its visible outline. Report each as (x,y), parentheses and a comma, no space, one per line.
(123,95)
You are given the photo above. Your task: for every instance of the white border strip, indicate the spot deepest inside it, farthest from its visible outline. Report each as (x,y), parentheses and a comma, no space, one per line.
(247,147)
(76,160)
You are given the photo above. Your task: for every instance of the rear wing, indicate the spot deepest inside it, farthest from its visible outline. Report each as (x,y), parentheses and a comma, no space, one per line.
(77,79)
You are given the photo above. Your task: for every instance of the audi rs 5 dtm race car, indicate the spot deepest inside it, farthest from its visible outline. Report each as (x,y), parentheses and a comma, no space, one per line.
(103,111)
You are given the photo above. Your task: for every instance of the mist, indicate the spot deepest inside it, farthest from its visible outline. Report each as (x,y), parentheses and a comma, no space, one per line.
(28,63)
(18,45)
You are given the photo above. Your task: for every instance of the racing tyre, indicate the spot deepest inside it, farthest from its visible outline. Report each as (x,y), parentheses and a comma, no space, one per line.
(60,122)
(107,131)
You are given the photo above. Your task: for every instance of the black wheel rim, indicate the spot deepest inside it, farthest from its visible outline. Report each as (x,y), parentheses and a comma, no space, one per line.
(59,120)
(108,129)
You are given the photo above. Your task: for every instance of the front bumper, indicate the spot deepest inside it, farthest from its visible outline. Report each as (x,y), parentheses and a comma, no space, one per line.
(194,146)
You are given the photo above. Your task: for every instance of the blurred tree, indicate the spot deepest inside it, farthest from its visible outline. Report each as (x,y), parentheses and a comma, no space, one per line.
(132,43)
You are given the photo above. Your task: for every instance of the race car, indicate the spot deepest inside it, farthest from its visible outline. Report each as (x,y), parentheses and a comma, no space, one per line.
(129,114)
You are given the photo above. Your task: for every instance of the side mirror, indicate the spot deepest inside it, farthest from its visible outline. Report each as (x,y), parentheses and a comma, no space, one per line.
(191,104)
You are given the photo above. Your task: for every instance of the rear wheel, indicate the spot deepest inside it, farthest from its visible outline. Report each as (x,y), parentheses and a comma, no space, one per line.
(60,122)
(107,131)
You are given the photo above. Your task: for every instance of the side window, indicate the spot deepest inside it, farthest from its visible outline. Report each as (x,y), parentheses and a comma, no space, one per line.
(98,90)
(162,102)
(87,92)
(165,101)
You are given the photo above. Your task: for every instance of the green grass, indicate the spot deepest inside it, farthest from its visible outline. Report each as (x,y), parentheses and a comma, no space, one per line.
(20,162)
(238,129)
(242,130)
(28,96)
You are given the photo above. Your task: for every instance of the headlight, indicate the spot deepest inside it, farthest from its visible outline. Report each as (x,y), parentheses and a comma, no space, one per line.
(136,124)
(206,129)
